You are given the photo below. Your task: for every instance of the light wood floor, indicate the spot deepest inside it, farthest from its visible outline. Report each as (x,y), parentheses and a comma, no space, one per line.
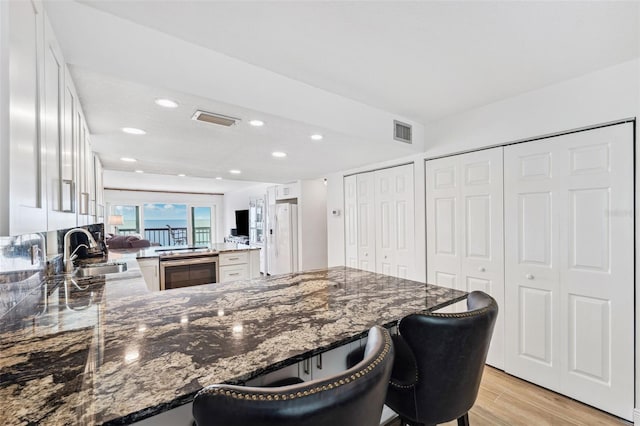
(506,400)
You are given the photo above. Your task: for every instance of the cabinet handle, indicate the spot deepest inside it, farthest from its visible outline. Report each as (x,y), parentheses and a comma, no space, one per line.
(234,274)
(233,258)
(529,276)
(481,269)
(366,254)
(319,362)
(306,366)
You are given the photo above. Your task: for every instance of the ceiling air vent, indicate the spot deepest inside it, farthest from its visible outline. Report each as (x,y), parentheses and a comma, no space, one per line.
(401,131)
(209,117)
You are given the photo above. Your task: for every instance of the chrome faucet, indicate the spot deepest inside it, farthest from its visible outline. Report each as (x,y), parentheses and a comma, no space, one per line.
(68,259)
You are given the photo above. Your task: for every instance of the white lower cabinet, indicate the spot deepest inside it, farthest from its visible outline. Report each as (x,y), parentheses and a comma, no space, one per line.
(150,269)
(233,272)
(238,265)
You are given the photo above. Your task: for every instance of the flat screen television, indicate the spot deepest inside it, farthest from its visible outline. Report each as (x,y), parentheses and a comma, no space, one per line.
(242,222)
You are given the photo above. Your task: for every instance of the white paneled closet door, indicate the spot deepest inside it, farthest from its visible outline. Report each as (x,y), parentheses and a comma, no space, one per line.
(443,225)
(569,265)
(465,230)
(395,226)
(366,221)
(351,221)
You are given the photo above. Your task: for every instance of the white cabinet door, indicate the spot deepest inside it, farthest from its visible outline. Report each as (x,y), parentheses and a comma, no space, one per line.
(28,209)
(465,230)
(395,227)
(569,265)
(351,221)
(59,159)
(69,148)
(150,272)
(366,229)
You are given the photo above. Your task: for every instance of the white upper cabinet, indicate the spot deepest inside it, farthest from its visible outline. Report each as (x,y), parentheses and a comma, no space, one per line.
(59,159)
(27,203)
(47,147)
(288,191)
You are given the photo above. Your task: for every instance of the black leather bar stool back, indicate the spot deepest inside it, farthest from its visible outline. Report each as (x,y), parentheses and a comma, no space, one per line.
(354,397)
(439,362)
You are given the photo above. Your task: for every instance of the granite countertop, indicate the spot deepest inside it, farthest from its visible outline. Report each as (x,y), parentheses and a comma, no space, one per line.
(213,248)
(108,351)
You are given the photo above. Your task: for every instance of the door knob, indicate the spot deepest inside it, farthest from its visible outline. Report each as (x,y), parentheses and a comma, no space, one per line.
(529,276)
(481,269)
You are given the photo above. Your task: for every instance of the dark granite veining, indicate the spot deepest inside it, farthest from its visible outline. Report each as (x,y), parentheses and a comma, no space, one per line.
(109,351)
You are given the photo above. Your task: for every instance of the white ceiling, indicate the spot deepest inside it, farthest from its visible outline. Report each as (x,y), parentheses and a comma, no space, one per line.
(424,60)
(160,182)
(344,69)
(176,144)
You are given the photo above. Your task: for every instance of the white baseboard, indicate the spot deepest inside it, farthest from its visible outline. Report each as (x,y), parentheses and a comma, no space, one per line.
(636,416)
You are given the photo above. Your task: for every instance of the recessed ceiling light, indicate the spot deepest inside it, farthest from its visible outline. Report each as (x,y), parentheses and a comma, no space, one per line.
(128,159)
(133,131)
(139,171)
(181,175)
(219,178)
(256,123)
(167,103)
(316,137)
(235,172)
(279,154)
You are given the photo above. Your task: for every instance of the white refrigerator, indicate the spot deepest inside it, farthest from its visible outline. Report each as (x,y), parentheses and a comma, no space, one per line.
(283,239)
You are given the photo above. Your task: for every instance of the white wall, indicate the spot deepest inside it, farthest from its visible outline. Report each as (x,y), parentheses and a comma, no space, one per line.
(602,96)
(312,234)
(239,200)
(115,197)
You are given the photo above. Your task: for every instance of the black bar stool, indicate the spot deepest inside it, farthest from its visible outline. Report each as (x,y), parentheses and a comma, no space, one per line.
(439,362)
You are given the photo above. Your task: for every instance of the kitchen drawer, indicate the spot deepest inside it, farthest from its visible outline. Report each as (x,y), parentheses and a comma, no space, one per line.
(233,258)
(233,272)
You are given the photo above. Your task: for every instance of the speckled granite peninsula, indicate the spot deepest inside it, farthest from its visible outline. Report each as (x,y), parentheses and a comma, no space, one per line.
(108,351)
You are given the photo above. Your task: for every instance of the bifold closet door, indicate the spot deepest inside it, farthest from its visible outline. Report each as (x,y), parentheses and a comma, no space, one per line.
(569,263)
(465,229)
(366,221)
(351,221)
(395,226)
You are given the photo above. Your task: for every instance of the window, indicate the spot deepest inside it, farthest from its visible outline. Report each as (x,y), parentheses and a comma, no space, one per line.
(201,220)
(166,224)
(131,219)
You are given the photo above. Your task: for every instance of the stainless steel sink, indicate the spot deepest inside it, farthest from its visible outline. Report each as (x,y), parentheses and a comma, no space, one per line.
(100,269)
